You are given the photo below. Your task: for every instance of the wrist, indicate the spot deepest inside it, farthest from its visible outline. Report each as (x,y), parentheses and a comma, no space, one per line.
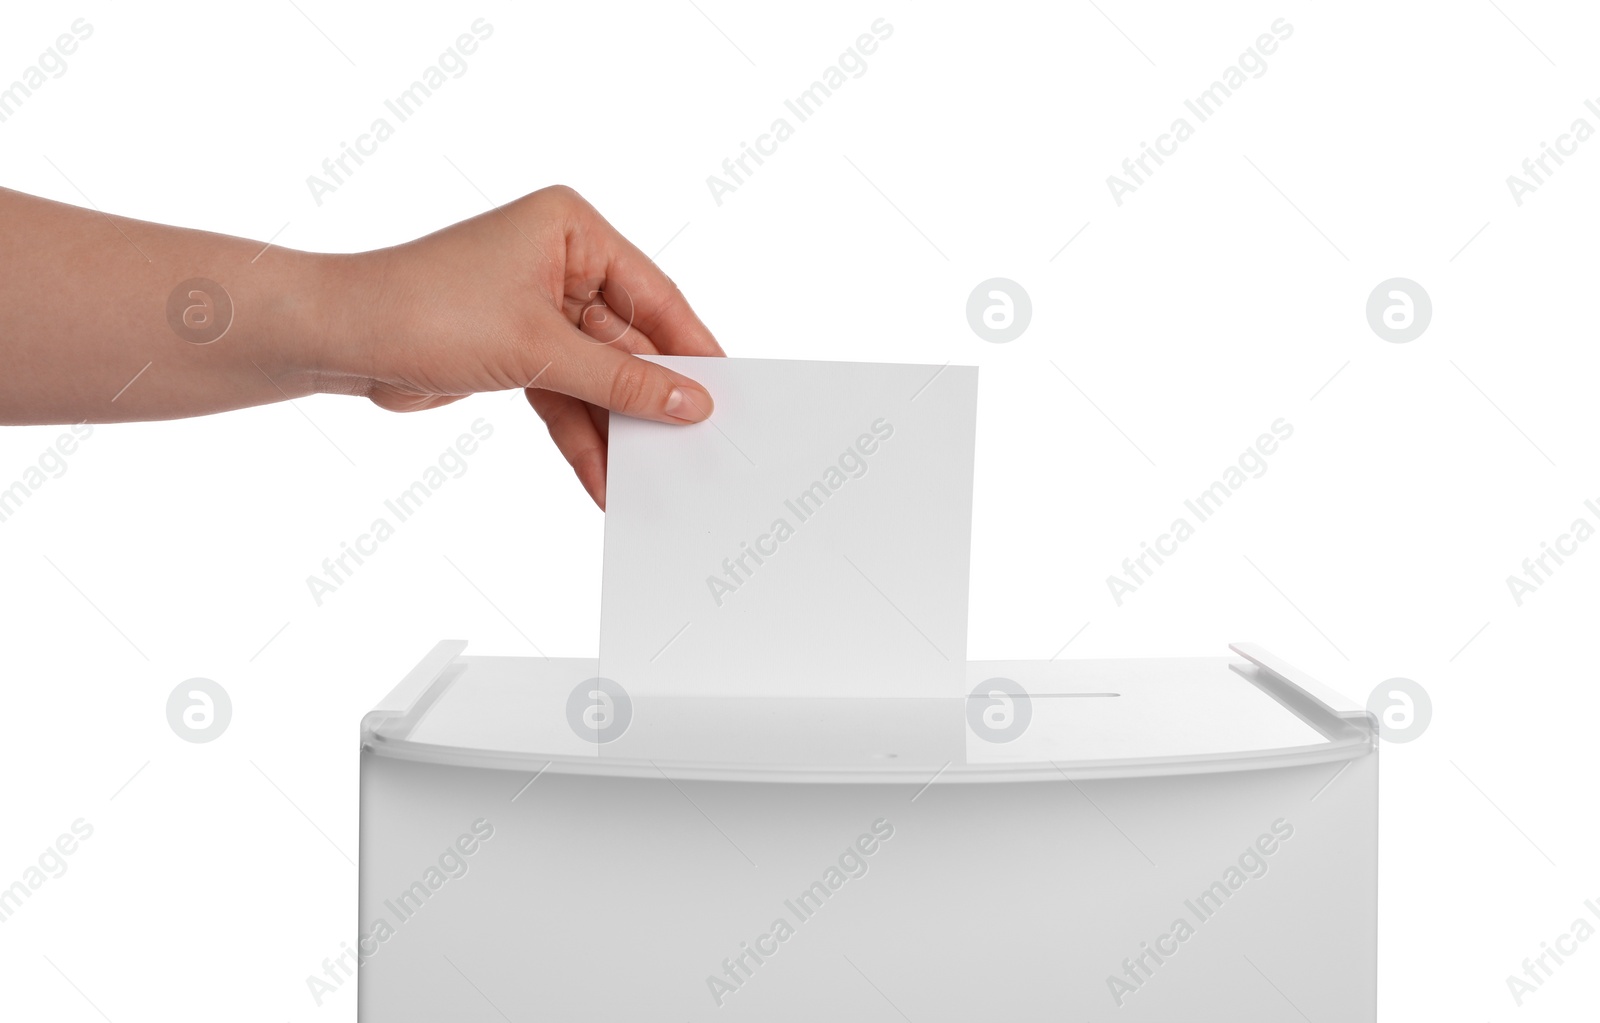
(326,320)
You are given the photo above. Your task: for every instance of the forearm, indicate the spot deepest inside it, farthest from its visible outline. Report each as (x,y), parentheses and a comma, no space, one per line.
(86,334)
(105,319)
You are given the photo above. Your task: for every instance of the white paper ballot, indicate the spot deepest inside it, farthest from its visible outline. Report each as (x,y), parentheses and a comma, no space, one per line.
(811,538)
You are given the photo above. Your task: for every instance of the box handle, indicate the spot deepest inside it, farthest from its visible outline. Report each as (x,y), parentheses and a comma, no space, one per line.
(403,698)
(1327,700)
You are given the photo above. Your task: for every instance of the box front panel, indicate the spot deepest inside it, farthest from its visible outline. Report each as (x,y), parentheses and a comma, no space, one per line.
(1242,896)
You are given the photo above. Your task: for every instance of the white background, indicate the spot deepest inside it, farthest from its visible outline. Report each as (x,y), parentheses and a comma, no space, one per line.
(1228,291)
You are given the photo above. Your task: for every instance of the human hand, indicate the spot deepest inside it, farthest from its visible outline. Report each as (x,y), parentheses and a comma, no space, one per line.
(541,294)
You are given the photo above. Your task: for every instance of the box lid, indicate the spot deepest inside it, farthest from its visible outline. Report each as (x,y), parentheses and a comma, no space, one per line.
(1022,720)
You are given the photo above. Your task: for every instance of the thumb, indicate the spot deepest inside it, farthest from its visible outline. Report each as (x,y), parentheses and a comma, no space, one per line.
(604,376)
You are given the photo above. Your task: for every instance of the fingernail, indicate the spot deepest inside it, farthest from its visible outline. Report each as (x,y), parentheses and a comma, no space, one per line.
(682,404)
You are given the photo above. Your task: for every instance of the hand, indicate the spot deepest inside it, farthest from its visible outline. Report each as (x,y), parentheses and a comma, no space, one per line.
(541,294)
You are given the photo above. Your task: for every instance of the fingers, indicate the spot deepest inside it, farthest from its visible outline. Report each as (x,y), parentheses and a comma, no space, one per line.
(659,309)
(602,375)
(608,326)
(636,287)
(573,428)
(602,424)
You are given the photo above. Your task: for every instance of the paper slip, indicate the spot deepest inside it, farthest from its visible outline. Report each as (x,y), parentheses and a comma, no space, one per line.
(811,538)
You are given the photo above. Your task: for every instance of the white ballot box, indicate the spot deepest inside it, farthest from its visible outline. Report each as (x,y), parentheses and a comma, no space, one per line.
(1131,840)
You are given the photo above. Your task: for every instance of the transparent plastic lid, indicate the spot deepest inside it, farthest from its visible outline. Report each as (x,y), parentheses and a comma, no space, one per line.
(1022,720)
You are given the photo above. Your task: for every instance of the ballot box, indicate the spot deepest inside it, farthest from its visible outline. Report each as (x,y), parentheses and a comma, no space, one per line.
(1132,840)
